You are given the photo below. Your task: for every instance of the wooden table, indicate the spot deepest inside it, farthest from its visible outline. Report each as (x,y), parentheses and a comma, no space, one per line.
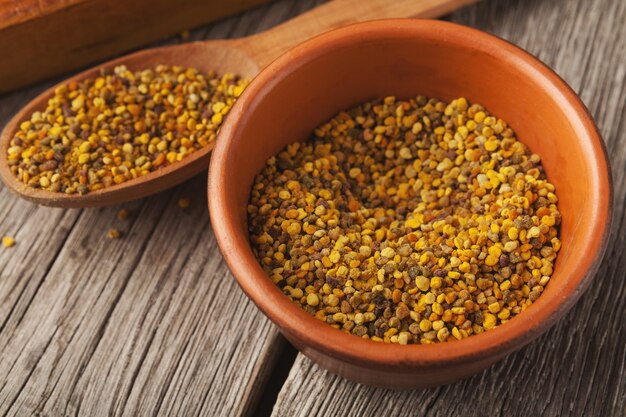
(154,325)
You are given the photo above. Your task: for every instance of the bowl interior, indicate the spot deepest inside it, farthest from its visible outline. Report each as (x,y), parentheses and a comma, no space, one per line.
(338,70)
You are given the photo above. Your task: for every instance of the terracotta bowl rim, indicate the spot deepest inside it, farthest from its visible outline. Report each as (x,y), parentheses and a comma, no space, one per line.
(310,333)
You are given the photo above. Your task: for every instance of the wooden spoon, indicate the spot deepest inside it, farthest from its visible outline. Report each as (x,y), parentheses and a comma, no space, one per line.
(245,57)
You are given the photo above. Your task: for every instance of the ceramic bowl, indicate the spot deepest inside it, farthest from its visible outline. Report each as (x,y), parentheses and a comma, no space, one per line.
(405,58)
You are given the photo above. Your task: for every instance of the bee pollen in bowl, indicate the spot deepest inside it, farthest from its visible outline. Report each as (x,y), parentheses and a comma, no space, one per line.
(413,221)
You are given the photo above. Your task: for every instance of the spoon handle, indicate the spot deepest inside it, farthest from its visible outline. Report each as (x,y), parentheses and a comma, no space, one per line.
(267,46)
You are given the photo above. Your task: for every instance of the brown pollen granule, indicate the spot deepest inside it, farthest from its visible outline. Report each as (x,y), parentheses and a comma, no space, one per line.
(407,221)
(123,214)
(119,126)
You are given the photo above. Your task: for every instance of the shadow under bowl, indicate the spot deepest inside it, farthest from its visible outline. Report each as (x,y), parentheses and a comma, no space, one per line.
(406,58)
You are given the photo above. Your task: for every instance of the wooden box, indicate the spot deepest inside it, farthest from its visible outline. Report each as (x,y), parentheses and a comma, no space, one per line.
(43,38)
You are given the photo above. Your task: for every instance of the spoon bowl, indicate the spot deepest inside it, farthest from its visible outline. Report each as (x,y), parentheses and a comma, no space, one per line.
(244,57)
(220,56)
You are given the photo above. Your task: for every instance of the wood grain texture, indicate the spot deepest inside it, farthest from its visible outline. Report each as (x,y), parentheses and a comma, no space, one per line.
(579,367)
(150,324)
(145,325)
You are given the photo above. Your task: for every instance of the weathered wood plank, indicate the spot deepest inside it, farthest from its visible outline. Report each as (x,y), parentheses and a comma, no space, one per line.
(150,324)
(121,327)
(579,367)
